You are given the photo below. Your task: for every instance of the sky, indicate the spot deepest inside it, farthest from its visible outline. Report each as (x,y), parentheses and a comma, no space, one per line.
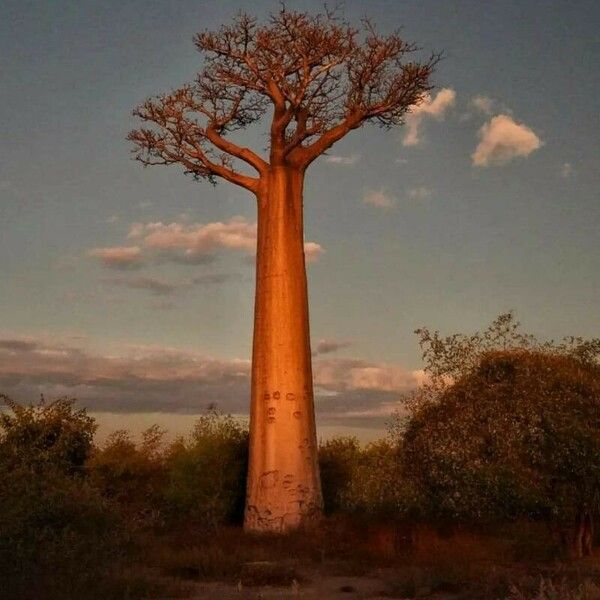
(485,201)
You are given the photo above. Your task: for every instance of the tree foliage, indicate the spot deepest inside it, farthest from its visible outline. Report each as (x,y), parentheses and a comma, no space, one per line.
(49,433)
(207,472)
(338,459)
(507,427)
(58,537)
(131,474)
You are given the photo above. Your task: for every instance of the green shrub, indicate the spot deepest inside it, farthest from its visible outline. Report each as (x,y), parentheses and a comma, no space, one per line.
(53,433)
(132,475)
(364,481)
(338,460)
(206,473)
(508,428)
(58,536)
(377,488)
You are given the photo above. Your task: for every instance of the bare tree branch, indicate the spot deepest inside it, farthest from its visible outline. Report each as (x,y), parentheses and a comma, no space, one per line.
(319,77)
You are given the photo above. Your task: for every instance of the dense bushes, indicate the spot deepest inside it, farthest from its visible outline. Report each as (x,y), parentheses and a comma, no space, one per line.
(505,428)
(131,475)
(365,482)
(206,480)
(338,460)
(71,514)
(519,436)
(57,533)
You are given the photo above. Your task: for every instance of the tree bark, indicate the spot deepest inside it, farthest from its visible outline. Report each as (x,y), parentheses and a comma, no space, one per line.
(284,489)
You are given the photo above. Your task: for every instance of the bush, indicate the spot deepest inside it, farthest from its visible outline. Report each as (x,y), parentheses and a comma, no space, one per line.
(132,475)
(376,489)
(58,536)
(507,433)
(365,482)
(206,473)
(44,434)
(338,460)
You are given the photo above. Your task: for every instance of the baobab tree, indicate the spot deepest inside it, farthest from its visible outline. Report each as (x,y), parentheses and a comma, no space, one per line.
(317,78)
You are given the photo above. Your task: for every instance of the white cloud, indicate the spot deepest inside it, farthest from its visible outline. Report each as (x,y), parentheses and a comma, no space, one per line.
(127,379)
(501,140)
(428,107)
(419,193)
(342,160)
(163,287)
(215,278)
(483,104)
(379,198)
(118,257)
(136,230)
(566,170)
(312,251)
(162,305)
(197,238)
(354,374)
(187,243)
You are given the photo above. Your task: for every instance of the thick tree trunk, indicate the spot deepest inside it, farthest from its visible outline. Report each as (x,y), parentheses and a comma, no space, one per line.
(284,489)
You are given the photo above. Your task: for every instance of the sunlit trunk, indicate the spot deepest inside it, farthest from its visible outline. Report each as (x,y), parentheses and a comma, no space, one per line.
(284,490)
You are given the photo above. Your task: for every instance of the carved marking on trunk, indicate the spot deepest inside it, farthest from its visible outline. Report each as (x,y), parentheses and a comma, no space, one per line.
(297,414)
(269,480)
(276,395)
(302,490)
(290,396)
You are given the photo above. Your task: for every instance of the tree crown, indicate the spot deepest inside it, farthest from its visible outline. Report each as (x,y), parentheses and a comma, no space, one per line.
(518,434)
(320,77)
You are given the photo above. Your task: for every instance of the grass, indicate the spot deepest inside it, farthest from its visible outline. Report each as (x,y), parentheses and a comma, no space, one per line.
(517,563)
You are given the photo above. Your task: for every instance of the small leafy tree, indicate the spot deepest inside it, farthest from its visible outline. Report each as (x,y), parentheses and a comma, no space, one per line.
(58,537)
(49,433)
(508,427)
(376,489)
(132,474)
(207,471)
(338,458)
(365,481)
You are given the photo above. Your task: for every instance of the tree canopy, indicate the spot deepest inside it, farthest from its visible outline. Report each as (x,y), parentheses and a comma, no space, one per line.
(507,427)
(319,76)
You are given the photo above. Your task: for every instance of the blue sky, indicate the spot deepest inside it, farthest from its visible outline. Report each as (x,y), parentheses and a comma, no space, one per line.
(411,235)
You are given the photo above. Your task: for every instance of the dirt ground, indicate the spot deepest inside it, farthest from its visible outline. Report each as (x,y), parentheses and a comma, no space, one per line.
(321,587)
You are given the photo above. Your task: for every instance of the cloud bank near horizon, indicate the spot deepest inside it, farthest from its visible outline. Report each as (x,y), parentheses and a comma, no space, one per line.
(135,379)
